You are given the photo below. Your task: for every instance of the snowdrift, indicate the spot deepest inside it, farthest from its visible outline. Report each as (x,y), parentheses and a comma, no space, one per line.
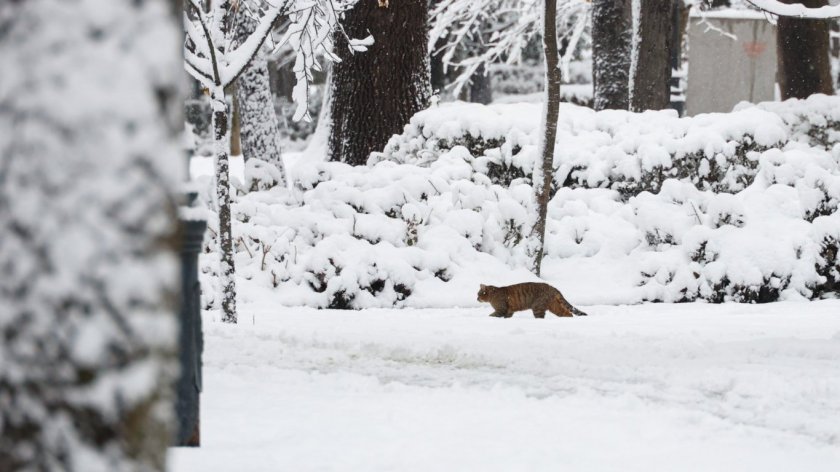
(739,206)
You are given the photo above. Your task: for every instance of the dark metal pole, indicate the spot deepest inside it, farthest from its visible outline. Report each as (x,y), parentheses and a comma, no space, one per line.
(191,342)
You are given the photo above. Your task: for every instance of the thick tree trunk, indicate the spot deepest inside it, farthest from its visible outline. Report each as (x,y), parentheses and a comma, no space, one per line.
(551,108)
(88,234)
(259,130)
(227,270)
(481,90)
(650,63)
(376,92)
(803,54)
(611,36)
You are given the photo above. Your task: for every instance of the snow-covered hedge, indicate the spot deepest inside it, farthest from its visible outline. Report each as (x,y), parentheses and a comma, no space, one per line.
(743,207)
(624,151)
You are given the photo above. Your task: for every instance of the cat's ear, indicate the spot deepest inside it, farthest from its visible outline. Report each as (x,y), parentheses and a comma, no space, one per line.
(483,286)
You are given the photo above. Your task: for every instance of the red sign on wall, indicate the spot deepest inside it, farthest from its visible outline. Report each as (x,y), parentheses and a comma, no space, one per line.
(754,48)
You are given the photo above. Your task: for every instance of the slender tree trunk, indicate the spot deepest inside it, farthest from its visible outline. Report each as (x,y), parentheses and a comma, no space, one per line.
(650,62)
(258,125)
(227,270)
(551,108)
(611,36)
(803,54)
(375,93)
(437,70)
(235,127)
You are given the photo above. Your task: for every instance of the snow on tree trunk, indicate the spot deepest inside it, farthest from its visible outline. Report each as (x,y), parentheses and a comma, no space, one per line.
(375,93)
(317,146)
(551,108)
(89,132)
(650,59)
(258,125)
(611,35)
(803,54)
(227,269)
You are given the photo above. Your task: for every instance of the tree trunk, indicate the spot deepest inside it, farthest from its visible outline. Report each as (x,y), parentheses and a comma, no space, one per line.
(481,90)
(611,36)
(227,269)
(282,78)
(436,69)
(551,108)
(650,63)
(258,125)
(88,234)
(235,127)
(803,54)
(375,93)
(437,73)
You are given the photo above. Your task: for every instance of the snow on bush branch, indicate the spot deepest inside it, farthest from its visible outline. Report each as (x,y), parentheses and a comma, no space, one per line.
(214,60)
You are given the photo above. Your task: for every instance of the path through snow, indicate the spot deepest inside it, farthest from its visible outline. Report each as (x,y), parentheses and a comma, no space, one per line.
(646,387)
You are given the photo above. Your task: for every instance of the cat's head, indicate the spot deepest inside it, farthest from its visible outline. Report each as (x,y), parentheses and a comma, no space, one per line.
(484,292)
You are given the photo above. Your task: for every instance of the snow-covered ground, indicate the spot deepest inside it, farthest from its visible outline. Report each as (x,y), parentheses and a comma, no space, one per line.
(644,387)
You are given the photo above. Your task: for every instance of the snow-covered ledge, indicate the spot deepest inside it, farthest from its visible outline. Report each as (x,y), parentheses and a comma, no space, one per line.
(797,10)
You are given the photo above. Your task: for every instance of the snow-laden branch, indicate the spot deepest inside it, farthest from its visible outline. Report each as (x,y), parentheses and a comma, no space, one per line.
(310,34)
(797,10)
(215,60)
(238,58)
(470,34)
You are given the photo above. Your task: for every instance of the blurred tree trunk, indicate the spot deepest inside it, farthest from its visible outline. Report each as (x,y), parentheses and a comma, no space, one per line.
(481,86)
(803,54)
(87,247)
(650,70)
(543,175)
(375,93)
(611,35)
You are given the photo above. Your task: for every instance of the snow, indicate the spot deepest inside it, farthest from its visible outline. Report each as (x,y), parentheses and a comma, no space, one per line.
(635,44)
(796,10)
(632,388)
(727,13)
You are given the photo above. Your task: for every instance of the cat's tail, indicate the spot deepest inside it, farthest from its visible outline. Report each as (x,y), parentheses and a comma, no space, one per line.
(560,307)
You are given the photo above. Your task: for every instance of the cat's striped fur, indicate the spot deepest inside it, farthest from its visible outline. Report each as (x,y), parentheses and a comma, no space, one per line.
(534,296)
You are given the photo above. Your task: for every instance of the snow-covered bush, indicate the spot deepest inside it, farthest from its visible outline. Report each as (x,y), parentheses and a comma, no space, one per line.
(628,152)
(720,207)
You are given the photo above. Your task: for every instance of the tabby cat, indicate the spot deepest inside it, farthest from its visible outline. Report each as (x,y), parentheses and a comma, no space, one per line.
(538,297)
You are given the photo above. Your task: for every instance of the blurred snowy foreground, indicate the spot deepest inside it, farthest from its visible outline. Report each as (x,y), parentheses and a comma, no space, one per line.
(643,387)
